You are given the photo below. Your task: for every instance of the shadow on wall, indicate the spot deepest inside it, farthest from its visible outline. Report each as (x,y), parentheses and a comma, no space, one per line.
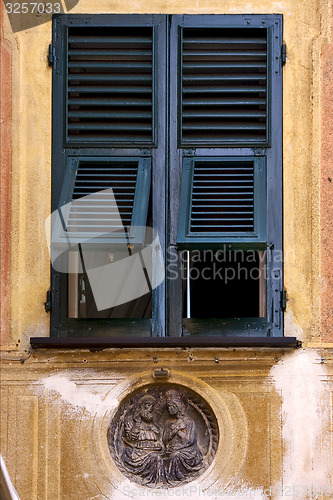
(7,490)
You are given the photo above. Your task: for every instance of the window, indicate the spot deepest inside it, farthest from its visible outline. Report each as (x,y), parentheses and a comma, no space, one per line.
(167,129)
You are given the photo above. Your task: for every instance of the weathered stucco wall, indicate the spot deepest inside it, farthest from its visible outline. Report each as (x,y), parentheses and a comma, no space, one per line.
(273,411)
(327,194)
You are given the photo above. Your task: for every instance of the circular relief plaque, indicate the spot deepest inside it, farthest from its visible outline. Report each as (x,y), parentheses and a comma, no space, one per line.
(163,436)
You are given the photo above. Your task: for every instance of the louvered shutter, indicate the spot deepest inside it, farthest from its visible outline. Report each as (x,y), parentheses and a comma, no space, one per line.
(104,200)
(222,200)
(224,86)
(110,86)
(108,98)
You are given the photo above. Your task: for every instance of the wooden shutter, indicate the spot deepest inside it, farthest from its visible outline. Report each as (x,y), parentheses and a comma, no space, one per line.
(229,116)
(224,86)
(108,97)
(110,87)
(106,195)
(222,200)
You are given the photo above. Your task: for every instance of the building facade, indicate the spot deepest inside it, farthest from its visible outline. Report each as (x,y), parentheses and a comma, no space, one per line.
(229,410)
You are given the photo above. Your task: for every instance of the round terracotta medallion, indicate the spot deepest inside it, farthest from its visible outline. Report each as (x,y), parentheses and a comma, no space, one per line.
(163,436)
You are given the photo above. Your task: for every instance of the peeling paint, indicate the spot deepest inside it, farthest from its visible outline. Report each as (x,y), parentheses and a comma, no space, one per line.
(78,395)
(300,378)
(291,329)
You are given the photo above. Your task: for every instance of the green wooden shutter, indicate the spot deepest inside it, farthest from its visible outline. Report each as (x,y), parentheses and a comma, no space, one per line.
(229,144)
(224,86)
(108,97)
(108,198)
(222,201)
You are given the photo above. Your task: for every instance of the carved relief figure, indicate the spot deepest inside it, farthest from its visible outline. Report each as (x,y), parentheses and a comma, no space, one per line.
(161,437)
(182,455)
(142,456)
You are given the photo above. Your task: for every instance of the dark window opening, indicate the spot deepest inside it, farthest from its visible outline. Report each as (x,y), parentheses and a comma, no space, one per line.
(224,284)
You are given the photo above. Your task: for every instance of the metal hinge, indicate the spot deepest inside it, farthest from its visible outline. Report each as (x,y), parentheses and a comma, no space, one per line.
(284,300)
(283,54)
(259,151)
(51,54)
(189,152)
(48,303)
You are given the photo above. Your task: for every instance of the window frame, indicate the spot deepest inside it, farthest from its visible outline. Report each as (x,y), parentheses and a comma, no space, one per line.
(166,300)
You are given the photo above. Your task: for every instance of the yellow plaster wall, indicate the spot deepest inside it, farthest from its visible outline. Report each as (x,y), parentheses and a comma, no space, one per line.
(275,429)
(306,31)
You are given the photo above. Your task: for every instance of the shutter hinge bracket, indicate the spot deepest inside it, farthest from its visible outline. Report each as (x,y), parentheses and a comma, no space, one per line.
(259,152)
(283,54)
(284,300)
(51,54)
(48,303)
(189,152)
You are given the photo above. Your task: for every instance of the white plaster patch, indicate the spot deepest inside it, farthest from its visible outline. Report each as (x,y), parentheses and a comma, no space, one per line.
(80,396)
(300,377)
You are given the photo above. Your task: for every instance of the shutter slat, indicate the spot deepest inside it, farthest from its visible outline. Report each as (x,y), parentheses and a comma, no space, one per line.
(78,207)
(210,89)
(109,39)
(107,126)
(225,65)
(225,53)
(230,101)
(105,88)
(224,114)
(224,72)
(109,65)
(90,215)
(100,173)
(217,219)
(222,77)
(225,126)
(110,85)
(221,182)
(78,77)
(252,139)
(206,193)
(78,190)
(110,178)
(249,205)
(205,175)
(245,166)
(104,138)
(213,200)
(108,52)
(216,213)
(116,101)
(222,40)
(109,114)
(221,227)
